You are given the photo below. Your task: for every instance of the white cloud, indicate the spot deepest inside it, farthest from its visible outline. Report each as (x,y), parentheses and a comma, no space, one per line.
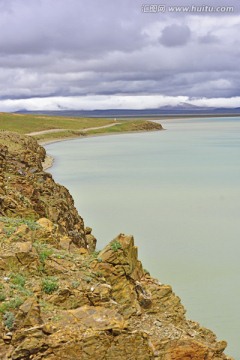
(101,102)
(217,102)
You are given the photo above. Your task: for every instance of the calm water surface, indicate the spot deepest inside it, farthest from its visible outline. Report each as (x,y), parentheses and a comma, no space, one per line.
(178,192)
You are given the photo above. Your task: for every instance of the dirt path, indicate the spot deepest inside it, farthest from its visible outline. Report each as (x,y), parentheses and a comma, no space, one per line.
(59,130)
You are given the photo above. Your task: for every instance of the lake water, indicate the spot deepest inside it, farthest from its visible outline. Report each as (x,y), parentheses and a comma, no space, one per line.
(178,193)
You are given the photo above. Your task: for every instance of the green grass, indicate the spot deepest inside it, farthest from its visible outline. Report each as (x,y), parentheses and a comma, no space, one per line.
(18,279)
(124,126)
(9,320)
(70,127)
(14,303)
(24,124)
(59,135)
(43,251)
(50,284)
(115,245)
(2,296)
(11,224)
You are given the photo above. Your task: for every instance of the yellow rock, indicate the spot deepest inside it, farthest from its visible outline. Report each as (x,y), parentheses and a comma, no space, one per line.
(46,224)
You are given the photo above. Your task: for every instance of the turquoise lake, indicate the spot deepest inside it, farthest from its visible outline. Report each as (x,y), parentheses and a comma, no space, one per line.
(178,192)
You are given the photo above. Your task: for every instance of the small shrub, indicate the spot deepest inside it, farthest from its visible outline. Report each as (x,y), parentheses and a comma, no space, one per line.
(43,251)
(9,320)
(41,268)
(75,284)
(4,307)
(98,274)
(88,279)
(15,302)
(21,289)
(8,231)
(45,306)
(11,304)
(18,279)
(49,285)
(44,254)
(115,245)
(95,254)
(2,296)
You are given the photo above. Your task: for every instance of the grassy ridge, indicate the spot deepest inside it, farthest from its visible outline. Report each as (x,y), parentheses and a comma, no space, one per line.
(24,124)
(69,127)
(125,126)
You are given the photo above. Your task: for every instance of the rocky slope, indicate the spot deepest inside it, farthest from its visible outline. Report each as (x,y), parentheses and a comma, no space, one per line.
(59,298)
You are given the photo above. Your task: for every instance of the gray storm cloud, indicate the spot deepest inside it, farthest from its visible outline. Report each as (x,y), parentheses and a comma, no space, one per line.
(175,35)
(58,48)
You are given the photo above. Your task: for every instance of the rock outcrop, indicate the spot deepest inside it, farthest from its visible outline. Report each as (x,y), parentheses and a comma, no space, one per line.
(29,192)
(60,299)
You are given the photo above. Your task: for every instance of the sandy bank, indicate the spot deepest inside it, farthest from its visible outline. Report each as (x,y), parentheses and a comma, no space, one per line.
(48,162)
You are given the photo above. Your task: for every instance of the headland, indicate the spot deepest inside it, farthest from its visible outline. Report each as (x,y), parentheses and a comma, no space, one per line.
(60,298)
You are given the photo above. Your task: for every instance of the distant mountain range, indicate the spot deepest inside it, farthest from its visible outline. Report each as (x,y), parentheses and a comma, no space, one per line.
(184,109)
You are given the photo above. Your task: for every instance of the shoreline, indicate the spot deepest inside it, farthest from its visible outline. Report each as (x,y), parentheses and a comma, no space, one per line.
(49,160)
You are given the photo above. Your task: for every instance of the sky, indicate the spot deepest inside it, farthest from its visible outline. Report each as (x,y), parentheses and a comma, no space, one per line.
(105,54)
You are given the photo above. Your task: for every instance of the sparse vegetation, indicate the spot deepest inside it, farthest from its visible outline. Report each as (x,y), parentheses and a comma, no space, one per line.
(50,284)
(95,254)
(43,251)
(14,303)
(115,245)
(18,279)
(75,284)
(2,296)
(18,282)
(88,279)
(11,224)
(9,320)
(44,254)
(98,274)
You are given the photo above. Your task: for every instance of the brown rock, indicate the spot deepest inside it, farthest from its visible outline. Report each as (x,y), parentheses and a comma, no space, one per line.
(100,293)
(189,350)
(46,224)
(29,314)
(88,230)
(91,241)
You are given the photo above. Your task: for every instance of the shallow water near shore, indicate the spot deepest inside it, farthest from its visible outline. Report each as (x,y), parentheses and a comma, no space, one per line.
(178,193)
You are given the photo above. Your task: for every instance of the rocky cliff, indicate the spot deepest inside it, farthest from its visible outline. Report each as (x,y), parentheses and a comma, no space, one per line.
(59,298)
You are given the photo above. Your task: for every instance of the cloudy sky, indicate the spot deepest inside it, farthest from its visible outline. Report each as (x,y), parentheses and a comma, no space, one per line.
(103,54)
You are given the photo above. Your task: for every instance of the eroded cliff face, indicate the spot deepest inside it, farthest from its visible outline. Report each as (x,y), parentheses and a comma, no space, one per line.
(27,191)
(61,300)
